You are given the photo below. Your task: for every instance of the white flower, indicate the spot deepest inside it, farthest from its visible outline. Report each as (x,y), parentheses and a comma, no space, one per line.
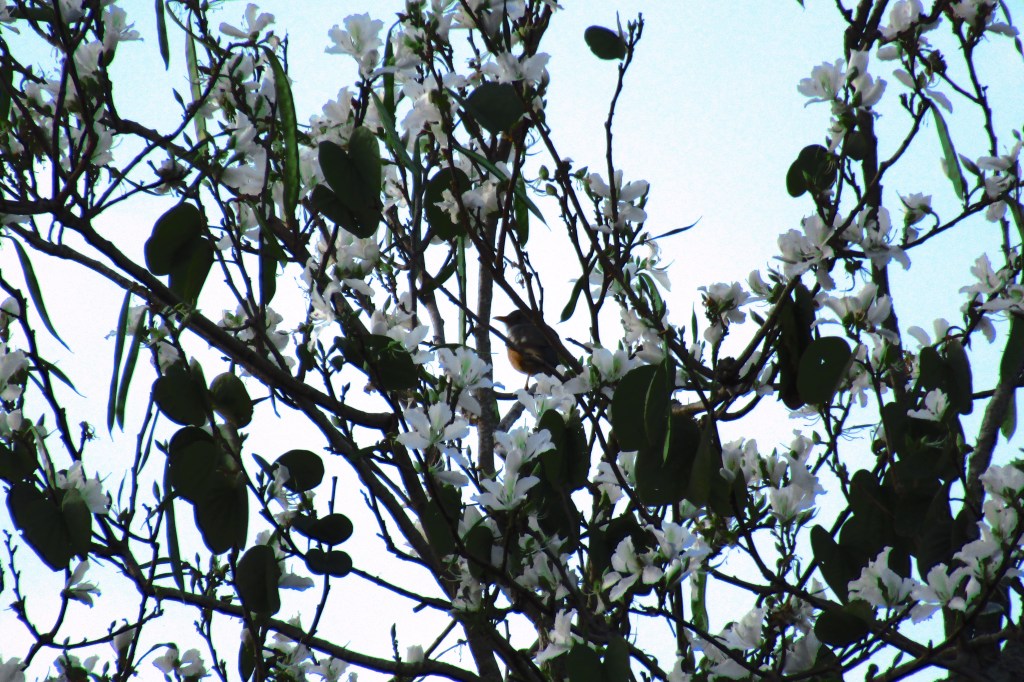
(873,233)
(628,567)
(863,311)
(360,39)
(437,425)
(11,670)
(75,587)
(935,404)
(116,28)
(625,195)
(940,591)
(879,585)
(824,83)
(918,205)
(1006,482)
(611,366)
(254,24)
(560,639)
(507,68)
(522,444)
(903,15)
(801,251)
(12,365)
(90,489)
(868,91)
(506,494)
(331,669)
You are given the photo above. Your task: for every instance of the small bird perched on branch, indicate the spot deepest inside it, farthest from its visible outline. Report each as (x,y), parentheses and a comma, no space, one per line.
(531,347)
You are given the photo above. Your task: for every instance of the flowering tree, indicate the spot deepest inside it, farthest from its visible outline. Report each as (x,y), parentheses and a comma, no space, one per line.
(556,522)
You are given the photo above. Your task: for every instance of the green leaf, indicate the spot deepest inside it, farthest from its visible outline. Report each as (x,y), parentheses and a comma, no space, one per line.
(583,664)
(478,541)
(495,106)
(334,562)
(364,151)
(173,238)
(574,297)
(949,154)
(231,399)
(640,407)
(842,626)
(161,32)
(195,82)
(246,659)
(796,315)
(616,660)
(332,529)
(6,88)
(394,143)
(134,344)
(822,367)
(1013,353)
(173,550)
(1009,425)
(522,215)
(440,518)
(256,578)
(41,523)
(837,568)
(34,292)
(305,469)
(706,483)
(663,471)
(78,521)
(223,516)
(189,275)
(270,251)
(961,385)
(289,128)
(449,179)
(180,396)
(17,460)
(355,181)
(605,43)
(192,460)
(119,336)
(934,543)
(814,170)
(383,359)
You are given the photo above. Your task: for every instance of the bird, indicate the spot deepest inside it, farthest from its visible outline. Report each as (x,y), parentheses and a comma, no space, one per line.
(531,347)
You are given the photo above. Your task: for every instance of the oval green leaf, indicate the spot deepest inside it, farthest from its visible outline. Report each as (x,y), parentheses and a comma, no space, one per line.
(256,578)
(173,231)
(495,106)
(305,469)
(231,399)
(822,366)
(605,43)
(335,563)
(180,397)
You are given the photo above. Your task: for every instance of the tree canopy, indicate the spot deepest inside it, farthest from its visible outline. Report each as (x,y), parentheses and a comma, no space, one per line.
(302,399)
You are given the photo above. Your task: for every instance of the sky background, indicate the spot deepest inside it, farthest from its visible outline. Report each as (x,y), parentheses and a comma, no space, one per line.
(710,116)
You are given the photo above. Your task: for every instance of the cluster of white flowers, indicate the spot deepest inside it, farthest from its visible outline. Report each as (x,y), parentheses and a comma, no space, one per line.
(675,554)
(722,304)
(628,197)
(826,84)
(995,290)
(980,561)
